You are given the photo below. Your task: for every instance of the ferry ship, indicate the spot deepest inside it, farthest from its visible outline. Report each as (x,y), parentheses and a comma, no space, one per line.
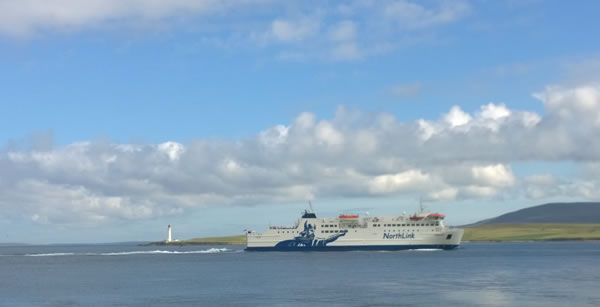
(422,230)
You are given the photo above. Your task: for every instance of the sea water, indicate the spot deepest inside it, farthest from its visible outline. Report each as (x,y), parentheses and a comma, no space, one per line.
(475,274)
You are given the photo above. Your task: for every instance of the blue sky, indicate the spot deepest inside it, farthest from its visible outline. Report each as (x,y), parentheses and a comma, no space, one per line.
(119,117)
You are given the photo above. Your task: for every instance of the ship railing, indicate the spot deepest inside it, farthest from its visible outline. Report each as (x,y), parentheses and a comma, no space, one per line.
(281,227)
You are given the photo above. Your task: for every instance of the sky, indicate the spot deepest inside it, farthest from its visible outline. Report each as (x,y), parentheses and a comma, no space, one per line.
(119,117)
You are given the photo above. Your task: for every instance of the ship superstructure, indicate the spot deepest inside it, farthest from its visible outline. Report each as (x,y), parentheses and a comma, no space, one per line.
(422,230)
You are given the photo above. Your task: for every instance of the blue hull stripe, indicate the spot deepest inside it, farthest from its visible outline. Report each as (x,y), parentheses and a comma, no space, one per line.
(351,248)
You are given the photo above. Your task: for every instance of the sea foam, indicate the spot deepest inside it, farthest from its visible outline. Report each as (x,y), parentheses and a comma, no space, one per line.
(161,252)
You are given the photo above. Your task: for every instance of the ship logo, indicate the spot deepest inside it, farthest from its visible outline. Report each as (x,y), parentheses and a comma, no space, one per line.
(307,238)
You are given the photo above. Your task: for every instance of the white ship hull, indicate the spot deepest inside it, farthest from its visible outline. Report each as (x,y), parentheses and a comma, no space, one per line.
(373,233)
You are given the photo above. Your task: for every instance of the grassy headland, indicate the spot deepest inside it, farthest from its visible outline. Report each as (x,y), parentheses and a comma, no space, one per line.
(532,232)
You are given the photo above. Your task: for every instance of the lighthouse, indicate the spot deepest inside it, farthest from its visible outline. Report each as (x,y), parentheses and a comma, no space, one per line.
(169,233)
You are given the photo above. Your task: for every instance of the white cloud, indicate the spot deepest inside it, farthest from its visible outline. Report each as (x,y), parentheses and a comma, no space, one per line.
(572,104)
(172,149)
(459,155)
(412,15)
(457,117)
(494,175)
(443,194)
(343,31)
(294,30)
(403,181)
(22,17)
(325,31)
(346,51)
(406,89)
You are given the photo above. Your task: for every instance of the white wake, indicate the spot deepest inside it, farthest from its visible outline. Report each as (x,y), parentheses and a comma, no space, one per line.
(162,252)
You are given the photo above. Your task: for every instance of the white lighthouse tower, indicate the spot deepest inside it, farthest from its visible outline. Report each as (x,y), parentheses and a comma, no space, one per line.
(169,239)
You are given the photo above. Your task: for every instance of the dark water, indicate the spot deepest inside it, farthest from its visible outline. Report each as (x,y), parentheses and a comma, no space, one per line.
(476,274)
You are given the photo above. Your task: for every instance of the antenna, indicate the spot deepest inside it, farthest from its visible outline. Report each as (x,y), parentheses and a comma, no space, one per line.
(421,204)
(311,207)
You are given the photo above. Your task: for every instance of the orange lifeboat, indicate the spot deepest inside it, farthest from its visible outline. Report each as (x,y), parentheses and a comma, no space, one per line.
(348,216)
(436,215)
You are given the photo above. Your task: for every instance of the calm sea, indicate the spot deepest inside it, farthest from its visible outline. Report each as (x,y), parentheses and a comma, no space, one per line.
(476,274)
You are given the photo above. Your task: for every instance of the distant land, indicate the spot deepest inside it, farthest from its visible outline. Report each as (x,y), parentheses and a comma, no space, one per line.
(227,240)
(560,213)
(532,232)
(553,221)
(547,222)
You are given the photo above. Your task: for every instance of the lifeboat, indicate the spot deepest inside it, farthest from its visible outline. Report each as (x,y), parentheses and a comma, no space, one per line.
(348,216)
(416,218)
(436,215)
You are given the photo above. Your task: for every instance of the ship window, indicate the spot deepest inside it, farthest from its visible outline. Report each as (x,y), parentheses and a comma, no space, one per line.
(325,225)
(394,225)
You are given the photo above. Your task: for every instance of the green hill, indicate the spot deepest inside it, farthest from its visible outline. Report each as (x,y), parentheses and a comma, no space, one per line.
(554,213)
(532,232)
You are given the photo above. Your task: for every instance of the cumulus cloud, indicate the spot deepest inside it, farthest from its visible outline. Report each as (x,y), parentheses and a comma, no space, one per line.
(457,156)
